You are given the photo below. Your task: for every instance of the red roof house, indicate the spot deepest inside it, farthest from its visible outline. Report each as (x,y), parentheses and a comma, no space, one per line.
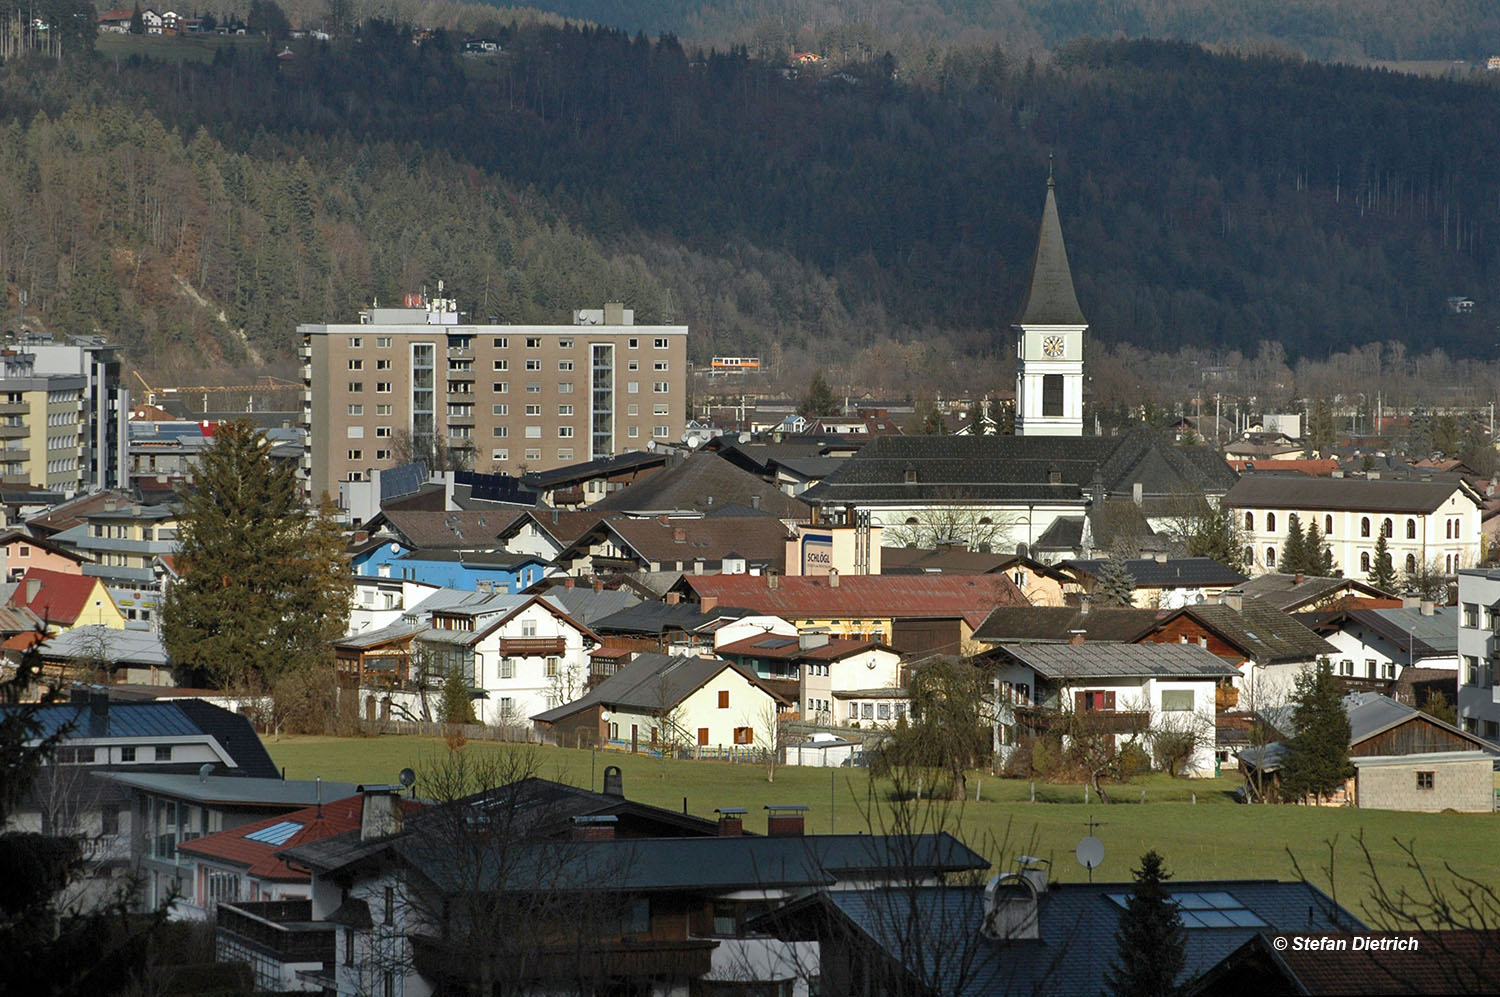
(66,601)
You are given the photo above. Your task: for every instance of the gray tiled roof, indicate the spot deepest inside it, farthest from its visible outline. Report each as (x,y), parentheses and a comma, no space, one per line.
(114,646)
(651,682)
(230,789)
(1286,593)
(1078,661)
(698,482)
(1428,636)
(1059,623)
(1174,572)
(1340,494)
(1263,633)
(1077,924)
(588,606)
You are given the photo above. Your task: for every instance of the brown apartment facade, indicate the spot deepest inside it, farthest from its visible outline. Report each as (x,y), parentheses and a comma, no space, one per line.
(516,398)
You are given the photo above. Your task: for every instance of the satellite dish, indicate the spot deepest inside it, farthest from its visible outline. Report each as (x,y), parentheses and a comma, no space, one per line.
(1090,853)
(407,778)
(744,437)
(205,770)
(605,715)
(694,442)
(395,548)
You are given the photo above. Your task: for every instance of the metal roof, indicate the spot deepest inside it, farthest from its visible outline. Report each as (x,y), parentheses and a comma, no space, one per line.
(1050,299)
(228,789)
(1079,661)
(1172,572)
(1377,495)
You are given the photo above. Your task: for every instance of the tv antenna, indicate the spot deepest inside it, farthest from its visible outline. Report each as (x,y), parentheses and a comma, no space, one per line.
(1090,851)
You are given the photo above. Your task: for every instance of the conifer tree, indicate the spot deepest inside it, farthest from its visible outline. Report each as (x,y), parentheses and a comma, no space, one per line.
(1116,584)
(1217,534)
(1293,549)
(456,706)
(1150,943)
(264,587)
(1382,573)
(1317,557)
(820,399)
(1317,755)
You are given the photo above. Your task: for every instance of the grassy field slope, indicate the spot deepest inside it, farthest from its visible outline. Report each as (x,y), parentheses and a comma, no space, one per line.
(1213,837)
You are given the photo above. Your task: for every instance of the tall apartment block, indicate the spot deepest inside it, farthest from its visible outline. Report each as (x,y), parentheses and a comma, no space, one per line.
(62,416)
(512,398)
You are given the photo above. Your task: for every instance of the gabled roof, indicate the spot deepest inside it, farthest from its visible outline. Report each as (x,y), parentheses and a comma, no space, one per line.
(561,525)
(778,647)
(60,598)
(467,529)
(71,513)
(697,483)
(1058,624)
(655,618)
(588,606)
(1050,299)
(253,847)
(1371,714)
(230,790)
(1420,635)
(21,536)
(654,683)
(1260,632)
(558,477)
(760,537)
(1173,572)
(970,597)
(1378,495)
(1081,661)
(1287,593)
(111,646)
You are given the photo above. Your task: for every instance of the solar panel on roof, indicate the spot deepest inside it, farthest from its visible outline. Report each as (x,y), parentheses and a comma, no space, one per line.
(277,834)
(1206,910)
(773,643)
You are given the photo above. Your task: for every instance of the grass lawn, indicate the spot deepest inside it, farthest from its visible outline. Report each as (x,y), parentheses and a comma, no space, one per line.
(183,48)
(1213,837)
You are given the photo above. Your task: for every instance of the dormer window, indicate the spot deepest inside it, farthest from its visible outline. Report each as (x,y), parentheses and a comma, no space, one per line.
(911,474)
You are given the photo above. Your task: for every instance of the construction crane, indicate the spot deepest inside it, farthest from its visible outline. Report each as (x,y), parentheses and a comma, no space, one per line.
(265,382)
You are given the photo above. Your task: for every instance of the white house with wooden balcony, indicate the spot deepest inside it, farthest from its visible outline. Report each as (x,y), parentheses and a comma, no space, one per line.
(1426,523)
(519,654)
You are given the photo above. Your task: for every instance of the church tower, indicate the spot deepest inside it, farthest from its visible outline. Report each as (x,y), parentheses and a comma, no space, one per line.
(1049,369)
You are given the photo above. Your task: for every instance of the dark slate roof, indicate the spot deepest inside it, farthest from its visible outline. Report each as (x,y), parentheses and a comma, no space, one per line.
(1065,533)
(1284,592)
(1058,623)
(1263,633)
(230,790)
(1174,572)
(1078,661)
(698,482)
(1076,922)
(1019,469)
(451,530)
(1049,298)
(651,682)
(1342,494)
(760,537)
(599,467)
(490,558)
(918,561)
(588,606)
(649,617)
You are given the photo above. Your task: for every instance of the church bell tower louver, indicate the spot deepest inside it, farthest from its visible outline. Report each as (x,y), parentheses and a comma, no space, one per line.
(1049,339)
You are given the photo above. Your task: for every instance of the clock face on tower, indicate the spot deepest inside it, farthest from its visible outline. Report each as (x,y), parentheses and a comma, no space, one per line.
(1052,346)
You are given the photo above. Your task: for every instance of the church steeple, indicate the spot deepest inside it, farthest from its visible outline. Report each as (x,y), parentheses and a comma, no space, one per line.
(1049,333)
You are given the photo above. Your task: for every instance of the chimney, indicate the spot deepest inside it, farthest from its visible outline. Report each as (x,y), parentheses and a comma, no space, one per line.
(598,584)
(731,821)
(33,589)
(833,578)
(786,820)
(679,535)
(664,519)
(708,603)
(1054,475)
(1083,605)
(360,536)
(591,827)
(1076,636)
(755,501)
(1234,600)
(1428,607)
(1137,494)
(673,598)
(1411,602)
(1298,578)
(773,581)
(1161,557)
(379,812)
(812,639)
(99,703)
(614,784)
(567,583)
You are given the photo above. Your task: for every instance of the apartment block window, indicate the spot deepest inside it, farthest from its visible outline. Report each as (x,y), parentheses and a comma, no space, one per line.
(633,343)
(661,432)
(564,387)
(660,343)
(533,410)
(356,410)
(632,409)
(500,455)
(502,365)
(659,409)
(1426,780)
(661,387)
(533,387)
(500,387)
(356,365)
(565,365)
(355,342)
(1471,614)
(382,387)
(502,343)
(533,432)
(533,342)
(355,432)
(533,455)
(461,432)
(565,344)
(383,409)
(382,455)
(356,455)
(383,432)
(633,365)
(633,432)
(382,342)
(659,365)
(501,432)
(355,387)
(533,365)
(565,432)
(382,365)
(565,453)
(565,410)
(632,387)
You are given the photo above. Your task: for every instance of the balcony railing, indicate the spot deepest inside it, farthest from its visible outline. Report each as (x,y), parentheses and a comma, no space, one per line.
(523,647)
(281,929)
(1040,720)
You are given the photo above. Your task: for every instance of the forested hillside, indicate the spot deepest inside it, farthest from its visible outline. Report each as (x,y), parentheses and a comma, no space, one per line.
(1350,30)
(1206,199)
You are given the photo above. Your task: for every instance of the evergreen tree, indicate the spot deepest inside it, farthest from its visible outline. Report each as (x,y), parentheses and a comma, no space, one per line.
(456,706)
(1216,533)
(1150,942)
(1382,573)
(1317,755)
(137,20)
(1116,585)
(1320,431)
(1293,549)
(820,399)
(1317,556)
(264,587)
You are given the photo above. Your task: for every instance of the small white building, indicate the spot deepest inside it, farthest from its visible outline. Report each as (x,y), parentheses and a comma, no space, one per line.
(1479,653)
(1381,643)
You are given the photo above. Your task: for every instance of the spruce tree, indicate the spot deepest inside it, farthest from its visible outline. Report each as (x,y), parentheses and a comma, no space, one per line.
(1217,534)
(1293,550)
(1382,573)
(1150,942)
(264,588)
(1116,584)
(1317,558)
(456,706)
(1317,755)
(820,399)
